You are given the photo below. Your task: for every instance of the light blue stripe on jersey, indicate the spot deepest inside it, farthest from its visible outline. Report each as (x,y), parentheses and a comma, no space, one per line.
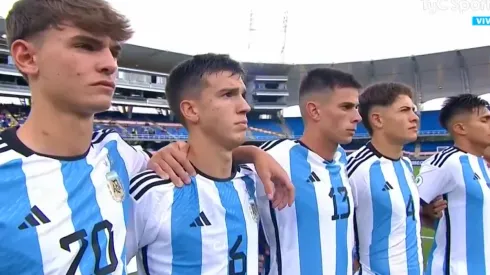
(381,224)
(236,227)
(475,249)
(309,242)
(81,197)
(411,241)
(118,165)
(341,224)
(408,164)
(15,197)
(186,251)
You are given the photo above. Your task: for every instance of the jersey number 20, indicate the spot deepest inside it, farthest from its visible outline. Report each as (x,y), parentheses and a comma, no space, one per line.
(339,200)
(80,236)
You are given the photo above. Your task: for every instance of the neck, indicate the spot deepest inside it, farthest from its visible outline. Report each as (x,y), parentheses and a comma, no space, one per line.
(209,157)
(469,147)
(319,144)
(51,132)
(387,147)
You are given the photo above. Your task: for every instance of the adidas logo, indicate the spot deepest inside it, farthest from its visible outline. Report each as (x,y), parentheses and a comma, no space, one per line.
(201,220)
(35,218)
(387,187)
(476,177)
(313,177)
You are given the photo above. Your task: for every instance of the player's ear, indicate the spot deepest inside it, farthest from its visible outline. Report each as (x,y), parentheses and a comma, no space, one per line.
(459,128)
(189,110)
(375,119)
(313,110)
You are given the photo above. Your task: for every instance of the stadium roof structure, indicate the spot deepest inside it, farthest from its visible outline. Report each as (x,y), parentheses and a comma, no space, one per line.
(144,58)
(432,75)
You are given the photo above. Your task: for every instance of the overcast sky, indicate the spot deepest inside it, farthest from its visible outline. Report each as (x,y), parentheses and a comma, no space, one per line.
(318,31)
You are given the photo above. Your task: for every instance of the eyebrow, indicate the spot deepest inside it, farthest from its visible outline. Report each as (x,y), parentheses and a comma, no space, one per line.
(115,48)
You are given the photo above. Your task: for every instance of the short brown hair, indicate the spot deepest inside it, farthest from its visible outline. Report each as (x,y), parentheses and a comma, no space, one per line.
(28,18)
(187,77)
(380,94)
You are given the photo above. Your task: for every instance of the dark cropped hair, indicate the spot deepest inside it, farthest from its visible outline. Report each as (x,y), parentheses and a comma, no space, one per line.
(459,104)
(187,77)
(380,94)
(326,78)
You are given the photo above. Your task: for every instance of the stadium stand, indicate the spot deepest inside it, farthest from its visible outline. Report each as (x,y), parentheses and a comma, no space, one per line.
(153,127)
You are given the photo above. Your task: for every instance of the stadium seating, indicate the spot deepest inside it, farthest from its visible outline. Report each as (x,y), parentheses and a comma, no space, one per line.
(155,127)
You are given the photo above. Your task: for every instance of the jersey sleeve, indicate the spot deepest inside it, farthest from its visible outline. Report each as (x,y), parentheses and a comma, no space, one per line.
(136,159)
(356,181)
(150,199)
(433,180)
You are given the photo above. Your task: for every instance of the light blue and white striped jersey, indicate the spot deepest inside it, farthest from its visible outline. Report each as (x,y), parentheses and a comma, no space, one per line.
(387,223)
(65,215)
(462,239)
(315,235)
(204,228)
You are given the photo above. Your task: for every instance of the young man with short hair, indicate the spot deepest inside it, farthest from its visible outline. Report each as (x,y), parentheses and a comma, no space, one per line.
(211,225)
(385,196)
(460,175)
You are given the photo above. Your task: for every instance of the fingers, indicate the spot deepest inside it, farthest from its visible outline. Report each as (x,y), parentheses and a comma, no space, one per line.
(171,174)
(181,158)
(268,186)
(156,168)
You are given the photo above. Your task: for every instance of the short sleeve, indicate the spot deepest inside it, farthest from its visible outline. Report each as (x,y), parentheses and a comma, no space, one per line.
(150,201)
(433,181)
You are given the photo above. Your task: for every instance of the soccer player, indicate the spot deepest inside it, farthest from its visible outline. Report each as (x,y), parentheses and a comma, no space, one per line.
(459,174)
(211,225)
(64,204)
(315,235)
(385,195)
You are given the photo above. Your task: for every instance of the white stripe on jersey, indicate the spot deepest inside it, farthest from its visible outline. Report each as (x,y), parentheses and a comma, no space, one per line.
(168,219)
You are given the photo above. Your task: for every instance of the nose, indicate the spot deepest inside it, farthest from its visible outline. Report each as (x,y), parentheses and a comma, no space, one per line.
(357,116)
(107,62)
(244,107)
(414,117)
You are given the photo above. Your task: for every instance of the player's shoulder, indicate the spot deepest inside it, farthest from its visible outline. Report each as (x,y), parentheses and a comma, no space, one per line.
(11,149)
(245,170)
(446,159)
(103,136)
(278,146)
(360,160)
(149,185)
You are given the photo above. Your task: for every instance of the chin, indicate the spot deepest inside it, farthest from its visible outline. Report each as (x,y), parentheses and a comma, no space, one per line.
(346,140)
(100,107)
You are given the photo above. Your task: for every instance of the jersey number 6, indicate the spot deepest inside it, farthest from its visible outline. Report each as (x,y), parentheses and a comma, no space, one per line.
(237,256)
(80,236)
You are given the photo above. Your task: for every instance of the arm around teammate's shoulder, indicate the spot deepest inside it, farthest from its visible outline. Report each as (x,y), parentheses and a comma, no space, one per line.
(151,201)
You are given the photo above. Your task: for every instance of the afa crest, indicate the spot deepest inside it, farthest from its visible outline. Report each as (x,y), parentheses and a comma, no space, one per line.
(418,180)
(115,187)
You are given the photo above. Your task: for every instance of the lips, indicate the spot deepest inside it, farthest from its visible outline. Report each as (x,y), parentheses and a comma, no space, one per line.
(106,83)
